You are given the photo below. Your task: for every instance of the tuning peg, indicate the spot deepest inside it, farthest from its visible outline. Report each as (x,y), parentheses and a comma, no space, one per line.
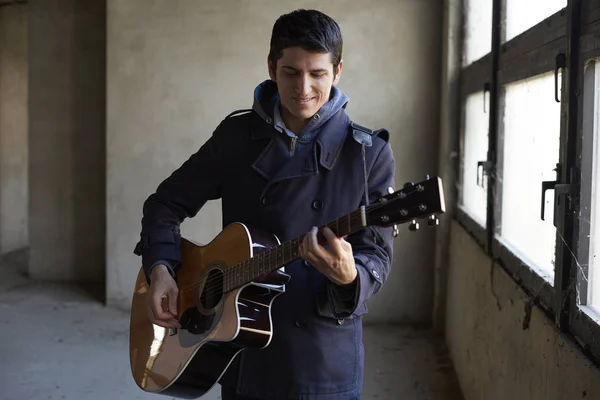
(414,226)
(396,231)
(407,184)
(427,177)
(390,190)
(433,221)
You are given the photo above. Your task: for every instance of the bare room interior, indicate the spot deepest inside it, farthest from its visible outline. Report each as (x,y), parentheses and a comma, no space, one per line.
(100,100)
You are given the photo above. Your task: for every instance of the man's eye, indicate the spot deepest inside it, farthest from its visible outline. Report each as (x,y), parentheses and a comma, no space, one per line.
(318,75)
(290,73)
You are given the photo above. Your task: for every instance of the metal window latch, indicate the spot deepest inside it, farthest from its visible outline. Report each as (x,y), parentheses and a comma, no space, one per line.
(560,189)
(484,166)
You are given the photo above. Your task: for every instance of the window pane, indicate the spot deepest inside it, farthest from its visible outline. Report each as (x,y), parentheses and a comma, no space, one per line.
(594,263)
(478,39)
(530,155)
(523,14)
(475,146)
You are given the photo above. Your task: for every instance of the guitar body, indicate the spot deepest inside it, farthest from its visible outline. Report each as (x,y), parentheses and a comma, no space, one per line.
(216,326)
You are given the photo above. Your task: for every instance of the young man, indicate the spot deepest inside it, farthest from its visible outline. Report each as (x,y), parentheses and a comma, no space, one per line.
(294,162)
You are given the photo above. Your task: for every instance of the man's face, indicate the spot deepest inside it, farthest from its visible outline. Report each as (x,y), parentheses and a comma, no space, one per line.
(304,80)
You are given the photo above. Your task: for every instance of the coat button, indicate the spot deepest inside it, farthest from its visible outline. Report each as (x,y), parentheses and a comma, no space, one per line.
(301,323)
(375,274)
(265,201)
(317,204)
(341,321)
(306,263)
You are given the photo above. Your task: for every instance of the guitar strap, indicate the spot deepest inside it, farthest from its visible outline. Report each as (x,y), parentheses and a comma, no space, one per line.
(364,136)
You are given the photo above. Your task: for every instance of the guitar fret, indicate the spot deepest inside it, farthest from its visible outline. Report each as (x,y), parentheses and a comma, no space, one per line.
(228,277)
(260,264)
(349,222)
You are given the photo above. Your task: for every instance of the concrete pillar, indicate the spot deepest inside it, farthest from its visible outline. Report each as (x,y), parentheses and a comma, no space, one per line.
(67,139)
(448,149)
(13,128)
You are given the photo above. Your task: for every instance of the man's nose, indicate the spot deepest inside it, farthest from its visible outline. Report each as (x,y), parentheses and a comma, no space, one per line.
(304,85)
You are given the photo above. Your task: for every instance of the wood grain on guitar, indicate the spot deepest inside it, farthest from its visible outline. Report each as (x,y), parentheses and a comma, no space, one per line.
(241,266)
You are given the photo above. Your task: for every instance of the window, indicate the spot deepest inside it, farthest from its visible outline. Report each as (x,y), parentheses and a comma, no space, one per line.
(475,115)
(592,198)
(530,154)
(523,14)
(475,146)
(478,30)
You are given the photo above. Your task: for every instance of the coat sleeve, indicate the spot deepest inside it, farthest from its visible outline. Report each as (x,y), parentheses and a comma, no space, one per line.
(178,197)
(372,246)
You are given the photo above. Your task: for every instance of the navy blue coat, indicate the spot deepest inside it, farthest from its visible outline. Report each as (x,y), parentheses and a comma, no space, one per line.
(316,352)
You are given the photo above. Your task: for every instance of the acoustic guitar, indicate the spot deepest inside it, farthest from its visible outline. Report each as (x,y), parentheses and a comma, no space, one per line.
(226,289)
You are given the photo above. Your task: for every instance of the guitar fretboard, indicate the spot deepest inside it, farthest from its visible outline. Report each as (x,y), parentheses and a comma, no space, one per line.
(269,260)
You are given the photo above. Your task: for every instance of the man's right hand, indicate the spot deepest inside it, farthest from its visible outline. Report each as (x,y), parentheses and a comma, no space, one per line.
(162,287)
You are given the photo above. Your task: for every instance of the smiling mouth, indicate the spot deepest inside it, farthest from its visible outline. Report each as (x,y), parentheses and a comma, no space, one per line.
(303,101)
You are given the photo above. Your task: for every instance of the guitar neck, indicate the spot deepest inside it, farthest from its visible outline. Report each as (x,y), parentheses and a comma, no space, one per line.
(270,260)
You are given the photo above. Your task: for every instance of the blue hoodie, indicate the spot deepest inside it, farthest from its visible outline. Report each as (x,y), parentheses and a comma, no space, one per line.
(267,104)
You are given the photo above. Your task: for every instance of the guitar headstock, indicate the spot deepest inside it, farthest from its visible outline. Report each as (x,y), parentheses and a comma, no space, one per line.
(413,202)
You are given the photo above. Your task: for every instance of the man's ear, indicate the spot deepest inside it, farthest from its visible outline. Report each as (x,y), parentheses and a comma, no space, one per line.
(338,72)
(271,68)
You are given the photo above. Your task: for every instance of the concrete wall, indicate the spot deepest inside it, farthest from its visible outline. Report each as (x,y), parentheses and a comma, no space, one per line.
(176,69)
(67,139)
(496,359)
(13,128)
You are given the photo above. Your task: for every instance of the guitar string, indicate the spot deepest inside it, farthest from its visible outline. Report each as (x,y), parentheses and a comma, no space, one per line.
(227,277)
(215,282)
(211,286)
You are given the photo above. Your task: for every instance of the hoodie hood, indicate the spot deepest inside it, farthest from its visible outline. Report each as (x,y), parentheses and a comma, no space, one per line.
(266,98)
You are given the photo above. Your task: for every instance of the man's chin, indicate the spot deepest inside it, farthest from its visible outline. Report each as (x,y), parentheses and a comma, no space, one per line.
(305,114)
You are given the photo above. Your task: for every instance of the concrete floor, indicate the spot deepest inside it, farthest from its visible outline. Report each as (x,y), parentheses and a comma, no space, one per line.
(58,341)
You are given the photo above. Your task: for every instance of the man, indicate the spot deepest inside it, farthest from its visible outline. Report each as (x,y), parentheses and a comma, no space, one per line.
(292,163)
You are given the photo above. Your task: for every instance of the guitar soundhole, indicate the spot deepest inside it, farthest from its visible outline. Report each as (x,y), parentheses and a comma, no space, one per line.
(213,290)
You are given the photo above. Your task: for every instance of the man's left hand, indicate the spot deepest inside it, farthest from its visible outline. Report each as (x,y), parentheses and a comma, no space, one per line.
(336,263)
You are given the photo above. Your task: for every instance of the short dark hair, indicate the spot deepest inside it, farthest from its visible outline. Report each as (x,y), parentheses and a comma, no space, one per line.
(309,29)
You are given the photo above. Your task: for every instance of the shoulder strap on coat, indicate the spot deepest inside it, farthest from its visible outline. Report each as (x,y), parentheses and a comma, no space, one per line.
(239,112)
(365,136)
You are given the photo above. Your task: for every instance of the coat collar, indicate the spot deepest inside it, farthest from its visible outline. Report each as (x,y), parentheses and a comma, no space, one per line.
(329,141)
